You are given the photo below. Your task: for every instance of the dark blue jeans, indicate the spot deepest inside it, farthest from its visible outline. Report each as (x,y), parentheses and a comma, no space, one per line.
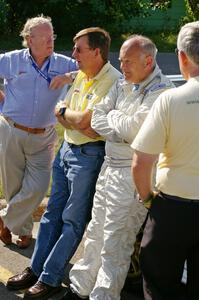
(62,226)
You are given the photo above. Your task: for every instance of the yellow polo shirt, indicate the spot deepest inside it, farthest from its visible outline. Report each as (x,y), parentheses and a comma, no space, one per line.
(84,94)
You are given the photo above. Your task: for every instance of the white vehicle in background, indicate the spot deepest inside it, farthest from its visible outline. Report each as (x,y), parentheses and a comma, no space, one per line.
(176,79)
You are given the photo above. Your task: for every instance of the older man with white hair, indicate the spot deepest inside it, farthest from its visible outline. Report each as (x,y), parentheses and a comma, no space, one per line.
(33,78)
(171,233)
(75,169)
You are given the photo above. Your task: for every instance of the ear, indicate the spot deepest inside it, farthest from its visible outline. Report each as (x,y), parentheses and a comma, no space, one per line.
(29,41)
(149,61)
(184,58)
(97,51)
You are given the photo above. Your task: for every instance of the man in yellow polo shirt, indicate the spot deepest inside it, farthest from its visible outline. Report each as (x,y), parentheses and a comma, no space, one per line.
(117,215)
(75,169)
(171,234)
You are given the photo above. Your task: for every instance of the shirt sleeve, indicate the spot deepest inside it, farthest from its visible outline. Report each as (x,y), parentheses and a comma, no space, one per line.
(127,126)
(99,121)
(153,135)
(72,66)
(8,67)
(102,90)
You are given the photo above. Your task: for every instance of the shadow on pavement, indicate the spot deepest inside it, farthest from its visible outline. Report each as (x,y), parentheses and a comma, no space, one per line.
(11,296)
(24,252)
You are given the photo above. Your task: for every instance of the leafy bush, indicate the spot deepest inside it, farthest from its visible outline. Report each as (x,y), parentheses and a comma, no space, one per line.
(192,11)
(4,9)
(70,16)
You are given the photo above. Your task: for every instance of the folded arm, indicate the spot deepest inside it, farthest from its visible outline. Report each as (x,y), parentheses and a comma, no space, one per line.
(76,120)
(127,125)
(99,120)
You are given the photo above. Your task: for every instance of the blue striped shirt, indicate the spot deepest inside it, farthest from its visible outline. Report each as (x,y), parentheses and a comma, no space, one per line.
(28,99)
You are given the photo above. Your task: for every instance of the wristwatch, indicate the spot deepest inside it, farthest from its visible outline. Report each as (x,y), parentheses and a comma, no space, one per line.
(62,111)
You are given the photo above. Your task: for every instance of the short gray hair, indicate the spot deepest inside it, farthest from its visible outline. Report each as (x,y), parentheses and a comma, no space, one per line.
(146,44)
(188,41)
(32,23)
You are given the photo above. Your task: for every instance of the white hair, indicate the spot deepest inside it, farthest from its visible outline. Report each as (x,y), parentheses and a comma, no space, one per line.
(188,41)
(146,44)
(32,23)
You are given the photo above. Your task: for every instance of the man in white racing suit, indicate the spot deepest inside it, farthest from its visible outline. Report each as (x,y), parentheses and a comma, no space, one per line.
(117,215)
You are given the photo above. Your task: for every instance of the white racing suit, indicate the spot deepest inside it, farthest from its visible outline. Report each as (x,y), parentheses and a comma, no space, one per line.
(116,216)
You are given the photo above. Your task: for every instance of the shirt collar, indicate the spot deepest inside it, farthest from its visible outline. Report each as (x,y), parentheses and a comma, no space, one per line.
(143,83)
(46,61)
(155,72)
(101,73)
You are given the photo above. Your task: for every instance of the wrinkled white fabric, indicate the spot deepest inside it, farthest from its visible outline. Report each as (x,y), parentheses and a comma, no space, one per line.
(116,220)
(116,216)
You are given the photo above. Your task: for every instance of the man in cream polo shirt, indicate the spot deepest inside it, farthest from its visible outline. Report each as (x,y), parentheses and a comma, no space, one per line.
(171,234)
(75,169)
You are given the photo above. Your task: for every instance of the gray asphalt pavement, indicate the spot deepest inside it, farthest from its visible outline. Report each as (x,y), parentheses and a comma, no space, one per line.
(13,260)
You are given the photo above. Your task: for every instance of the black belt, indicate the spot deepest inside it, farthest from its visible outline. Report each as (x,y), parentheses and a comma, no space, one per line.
(98,143)
(179,199)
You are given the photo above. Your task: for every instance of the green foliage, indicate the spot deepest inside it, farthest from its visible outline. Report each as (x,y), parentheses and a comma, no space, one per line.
(20,11)
(192,11)
(165,41)
(69,16)
(116,14)
(4,8)
(160,4)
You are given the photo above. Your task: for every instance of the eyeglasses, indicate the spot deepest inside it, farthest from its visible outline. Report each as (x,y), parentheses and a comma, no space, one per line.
(45,38)
(80,50)
(176,51)
(54,37)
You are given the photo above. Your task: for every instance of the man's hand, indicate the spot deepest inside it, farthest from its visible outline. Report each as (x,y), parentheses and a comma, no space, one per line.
(64,123)
(60,80)
(89,132)
(59,105)
(60,118)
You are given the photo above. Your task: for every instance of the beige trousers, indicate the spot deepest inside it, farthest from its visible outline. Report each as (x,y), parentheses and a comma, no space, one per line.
(25,167)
